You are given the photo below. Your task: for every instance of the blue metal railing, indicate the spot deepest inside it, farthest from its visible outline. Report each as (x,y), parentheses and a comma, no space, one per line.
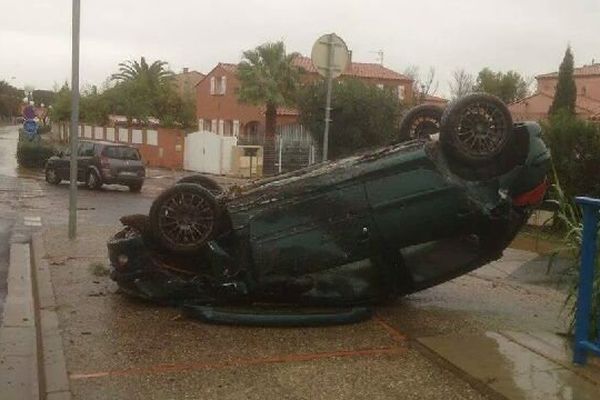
(583,343)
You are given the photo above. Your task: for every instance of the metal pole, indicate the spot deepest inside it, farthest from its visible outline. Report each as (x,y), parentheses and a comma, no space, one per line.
(280,150)
(74,120)
(586,278)
(328,100)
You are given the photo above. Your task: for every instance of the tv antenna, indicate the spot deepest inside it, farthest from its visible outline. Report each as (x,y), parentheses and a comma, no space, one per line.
(379,55)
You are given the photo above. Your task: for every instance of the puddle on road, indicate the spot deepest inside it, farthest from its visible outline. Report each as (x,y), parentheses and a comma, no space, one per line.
(519,373)
(509,368)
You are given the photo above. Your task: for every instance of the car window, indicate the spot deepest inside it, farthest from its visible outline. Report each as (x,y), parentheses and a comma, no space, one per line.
(86,149)
(122,153)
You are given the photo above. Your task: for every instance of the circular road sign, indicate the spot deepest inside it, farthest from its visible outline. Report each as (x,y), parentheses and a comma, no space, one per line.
(330,54)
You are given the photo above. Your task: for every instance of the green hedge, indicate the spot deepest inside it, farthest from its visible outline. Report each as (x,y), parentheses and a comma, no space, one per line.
(33,155)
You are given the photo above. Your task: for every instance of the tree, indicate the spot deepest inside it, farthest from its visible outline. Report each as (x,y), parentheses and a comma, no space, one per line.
(575,147)
(363,116)
(566,91)
(422,85)
(10,100)
(509,86)
(61,109)
(153,75)
(45,97)
(461,83)
(269,78)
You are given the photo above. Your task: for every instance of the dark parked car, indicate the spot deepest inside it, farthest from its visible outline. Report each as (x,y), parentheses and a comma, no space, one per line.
(348,232)
(99,163)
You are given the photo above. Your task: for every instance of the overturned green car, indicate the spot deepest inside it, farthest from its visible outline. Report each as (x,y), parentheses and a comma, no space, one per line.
(351,232)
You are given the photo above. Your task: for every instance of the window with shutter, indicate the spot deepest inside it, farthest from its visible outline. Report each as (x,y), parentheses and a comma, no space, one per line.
(401,92)
(212,85)
(236,128)
(223,84)
(200,125)
(221,127)
(213,126)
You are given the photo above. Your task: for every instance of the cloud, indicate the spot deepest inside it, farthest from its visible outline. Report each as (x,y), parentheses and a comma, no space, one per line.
(526,36)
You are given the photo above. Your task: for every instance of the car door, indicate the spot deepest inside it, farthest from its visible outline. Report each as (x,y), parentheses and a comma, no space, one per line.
(415,205)
(62,165)
(313,232)
(85,154)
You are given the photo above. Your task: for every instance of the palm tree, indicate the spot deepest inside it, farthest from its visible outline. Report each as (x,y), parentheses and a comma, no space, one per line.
(154,74)
(268,77)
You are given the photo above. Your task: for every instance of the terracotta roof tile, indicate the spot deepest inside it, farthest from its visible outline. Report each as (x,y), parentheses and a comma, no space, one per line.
(359,70)
(586,70)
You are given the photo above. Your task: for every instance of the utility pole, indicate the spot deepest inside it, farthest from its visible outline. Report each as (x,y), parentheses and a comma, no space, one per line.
(329,77)
(74,119)
(330,64)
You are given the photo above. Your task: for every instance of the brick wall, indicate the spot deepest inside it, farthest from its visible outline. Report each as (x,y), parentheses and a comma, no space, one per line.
(161,147)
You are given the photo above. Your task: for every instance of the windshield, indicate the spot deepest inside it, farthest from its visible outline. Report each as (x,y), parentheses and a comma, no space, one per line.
(122,153)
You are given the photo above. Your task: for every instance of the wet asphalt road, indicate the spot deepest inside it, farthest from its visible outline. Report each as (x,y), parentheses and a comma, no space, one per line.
(24,193)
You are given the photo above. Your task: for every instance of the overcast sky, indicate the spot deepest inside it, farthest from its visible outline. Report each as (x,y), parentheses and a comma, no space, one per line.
(529,36)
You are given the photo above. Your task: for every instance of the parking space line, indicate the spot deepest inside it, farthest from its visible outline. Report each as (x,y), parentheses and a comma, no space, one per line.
(393,332)
(241,362)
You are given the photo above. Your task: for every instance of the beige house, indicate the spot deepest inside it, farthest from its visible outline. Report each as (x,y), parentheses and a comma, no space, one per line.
(535,107)
(186,81)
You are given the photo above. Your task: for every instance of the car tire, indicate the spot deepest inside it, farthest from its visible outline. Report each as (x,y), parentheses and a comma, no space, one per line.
(476,129)
(92,180)
(135,188)
(51,176)
(420,122)
(209,184)
(184,217)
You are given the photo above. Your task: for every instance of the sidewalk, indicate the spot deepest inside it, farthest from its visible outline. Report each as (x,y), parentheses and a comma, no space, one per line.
(484,335)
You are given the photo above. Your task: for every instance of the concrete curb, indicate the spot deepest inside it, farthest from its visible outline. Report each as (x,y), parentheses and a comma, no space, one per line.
(19,347)
(52,358)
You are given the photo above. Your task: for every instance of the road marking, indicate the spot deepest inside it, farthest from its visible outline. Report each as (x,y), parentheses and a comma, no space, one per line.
(32,221)
(241,362)
(393,332)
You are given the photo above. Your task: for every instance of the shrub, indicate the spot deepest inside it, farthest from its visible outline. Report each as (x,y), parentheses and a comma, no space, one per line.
(33,154)
(575,146)
(363,115)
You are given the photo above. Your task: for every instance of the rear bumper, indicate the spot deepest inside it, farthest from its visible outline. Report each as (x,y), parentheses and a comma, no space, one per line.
(123,179)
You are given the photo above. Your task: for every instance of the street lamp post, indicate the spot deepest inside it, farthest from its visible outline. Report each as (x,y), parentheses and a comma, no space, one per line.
(74,120)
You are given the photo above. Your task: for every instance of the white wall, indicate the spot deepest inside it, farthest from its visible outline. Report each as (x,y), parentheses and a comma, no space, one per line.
(123,135)
(110,134)
(136,136)
(208,152)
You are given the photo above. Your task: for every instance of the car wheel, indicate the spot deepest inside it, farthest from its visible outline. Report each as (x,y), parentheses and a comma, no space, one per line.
(476,129)
(52,176)
(420,122)
(93,181)
(183,218)
(136,188)
(207,183)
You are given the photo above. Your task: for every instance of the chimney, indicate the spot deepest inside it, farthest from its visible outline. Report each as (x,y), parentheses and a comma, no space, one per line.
(185,70)
(349,56)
